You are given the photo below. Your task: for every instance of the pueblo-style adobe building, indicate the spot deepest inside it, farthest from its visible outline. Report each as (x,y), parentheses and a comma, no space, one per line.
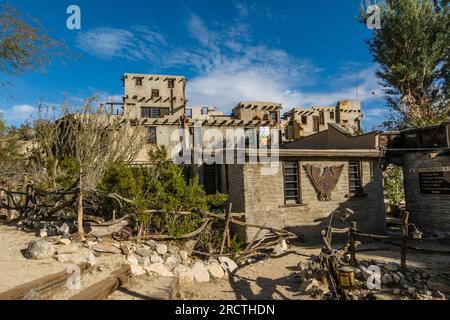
(323,163)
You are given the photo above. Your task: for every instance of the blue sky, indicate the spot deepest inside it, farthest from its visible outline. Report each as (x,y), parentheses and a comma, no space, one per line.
(300,53)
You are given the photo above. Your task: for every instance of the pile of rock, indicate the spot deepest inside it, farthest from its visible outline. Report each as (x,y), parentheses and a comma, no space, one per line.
(44,229)
(414,284)
(159,259)
(417,284)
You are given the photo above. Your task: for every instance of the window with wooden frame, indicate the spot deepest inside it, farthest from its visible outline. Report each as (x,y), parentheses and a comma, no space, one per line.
(151,137)
(332,115)
(291,183)
(171,83)
(304,120)
(153,112)
(155,93)
(354,177)
(139,81)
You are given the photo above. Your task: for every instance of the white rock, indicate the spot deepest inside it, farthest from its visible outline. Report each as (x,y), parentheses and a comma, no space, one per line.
(184,256)
(200,272)
(159,269)
(137,270)
(172,261)
(91,259)
(280,248)
(39,249)
(156,258)
(386,279)
(411,290)
(184,273)
(64,228)
(396,291)
(215,270)
(43,233)
(65,242)
(132,260)
(228,264)
(161,249)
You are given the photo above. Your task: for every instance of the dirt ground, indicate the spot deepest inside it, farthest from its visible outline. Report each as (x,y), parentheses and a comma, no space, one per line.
(273,278)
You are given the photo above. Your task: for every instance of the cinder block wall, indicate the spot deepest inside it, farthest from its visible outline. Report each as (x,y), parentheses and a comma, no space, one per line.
(428,211)
(264,200)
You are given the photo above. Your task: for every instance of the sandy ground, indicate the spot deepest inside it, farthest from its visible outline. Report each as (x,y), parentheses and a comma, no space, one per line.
(273,278)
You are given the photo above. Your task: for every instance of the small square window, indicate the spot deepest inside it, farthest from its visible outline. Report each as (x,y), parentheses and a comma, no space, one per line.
(139,81)
(205,110)
(304,120)
(155,93)
(332,115)
(171,83)
(273,116)
(189,113)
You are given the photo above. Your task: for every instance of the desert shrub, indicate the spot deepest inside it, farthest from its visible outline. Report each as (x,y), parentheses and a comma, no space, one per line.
(162,186)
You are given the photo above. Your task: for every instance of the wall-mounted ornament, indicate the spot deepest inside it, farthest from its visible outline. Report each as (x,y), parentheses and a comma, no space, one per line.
(324,179)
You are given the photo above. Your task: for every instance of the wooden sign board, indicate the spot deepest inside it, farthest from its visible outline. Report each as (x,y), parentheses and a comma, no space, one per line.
(434,182)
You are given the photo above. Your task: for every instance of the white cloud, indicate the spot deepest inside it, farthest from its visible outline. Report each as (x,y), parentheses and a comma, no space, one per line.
(19,113)
(231,69)
(137,43)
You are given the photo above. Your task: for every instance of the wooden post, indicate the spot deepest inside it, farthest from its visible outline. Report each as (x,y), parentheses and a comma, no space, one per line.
(10,203)
(405,218)
(226,232)
(353,243)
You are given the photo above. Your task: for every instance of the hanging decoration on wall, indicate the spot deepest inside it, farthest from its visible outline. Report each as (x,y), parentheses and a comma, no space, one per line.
(324,180)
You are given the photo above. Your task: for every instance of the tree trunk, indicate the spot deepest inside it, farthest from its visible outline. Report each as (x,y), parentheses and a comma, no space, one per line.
(80,207)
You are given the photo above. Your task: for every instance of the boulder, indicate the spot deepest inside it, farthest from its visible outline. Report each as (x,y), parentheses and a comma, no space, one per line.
(228,264)
(386,279)
(132,260)
(156,258)
(106,248)
(64,228)
(184,256)
(215,270)
(39,249)
(159,269)
(396,291)
(200,272)
(280,248)
(144,252)
(161,249)
(439,284)
(184,273)
(137,270)
(43,233)
(151,243)
(172,261)
(91,259)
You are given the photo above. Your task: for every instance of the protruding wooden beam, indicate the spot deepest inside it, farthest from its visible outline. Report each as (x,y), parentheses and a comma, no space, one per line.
(40,285)
(102,289)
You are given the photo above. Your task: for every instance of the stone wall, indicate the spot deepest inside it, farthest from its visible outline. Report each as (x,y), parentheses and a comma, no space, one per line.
(264,199)
(428,211)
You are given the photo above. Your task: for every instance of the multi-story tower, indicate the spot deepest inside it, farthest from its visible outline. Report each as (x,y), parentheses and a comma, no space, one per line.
(154,96)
